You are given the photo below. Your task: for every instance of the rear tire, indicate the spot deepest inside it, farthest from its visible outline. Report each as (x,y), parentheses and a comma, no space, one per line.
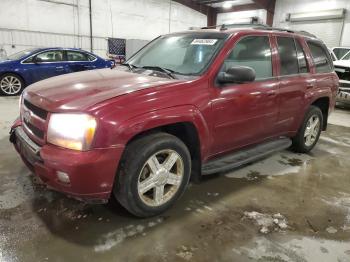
(153,174)
(11,84)
(309,132)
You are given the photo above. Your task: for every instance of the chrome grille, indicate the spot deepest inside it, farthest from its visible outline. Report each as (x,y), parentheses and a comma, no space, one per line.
(34,121)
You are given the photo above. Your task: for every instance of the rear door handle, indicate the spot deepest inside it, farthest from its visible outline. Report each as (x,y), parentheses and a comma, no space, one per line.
(59,68)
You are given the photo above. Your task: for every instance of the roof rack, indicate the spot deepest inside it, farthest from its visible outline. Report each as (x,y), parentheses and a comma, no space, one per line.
(257,26)
(266,27)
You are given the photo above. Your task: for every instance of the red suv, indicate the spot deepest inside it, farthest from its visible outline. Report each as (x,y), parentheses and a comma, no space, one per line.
(186,105)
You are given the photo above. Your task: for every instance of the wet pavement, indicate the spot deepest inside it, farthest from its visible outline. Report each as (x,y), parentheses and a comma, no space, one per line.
(288,207)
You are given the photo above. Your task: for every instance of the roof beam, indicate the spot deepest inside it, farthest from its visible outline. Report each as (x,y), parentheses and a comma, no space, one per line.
(209,11)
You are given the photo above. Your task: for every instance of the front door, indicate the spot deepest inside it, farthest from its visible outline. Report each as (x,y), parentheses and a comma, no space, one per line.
(245,114)
(48,64)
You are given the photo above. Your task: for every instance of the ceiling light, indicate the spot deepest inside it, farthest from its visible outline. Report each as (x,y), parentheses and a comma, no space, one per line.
(227,4)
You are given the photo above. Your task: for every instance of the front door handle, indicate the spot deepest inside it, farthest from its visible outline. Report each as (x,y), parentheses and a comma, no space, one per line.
(59,68)
(310,85)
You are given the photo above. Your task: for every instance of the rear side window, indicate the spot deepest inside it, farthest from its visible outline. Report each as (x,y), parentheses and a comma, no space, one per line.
(321,57)
(78,56)
(301,58)
(254,52)
(288,56)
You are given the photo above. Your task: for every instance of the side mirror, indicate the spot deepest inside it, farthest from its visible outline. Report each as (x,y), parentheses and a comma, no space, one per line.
(37,60)
(237,74)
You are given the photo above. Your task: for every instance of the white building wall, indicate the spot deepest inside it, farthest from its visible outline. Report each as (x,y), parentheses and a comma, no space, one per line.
(65,23)
(283,7)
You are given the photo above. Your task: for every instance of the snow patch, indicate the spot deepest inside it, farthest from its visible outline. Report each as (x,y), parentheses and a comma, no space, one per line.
(267,222)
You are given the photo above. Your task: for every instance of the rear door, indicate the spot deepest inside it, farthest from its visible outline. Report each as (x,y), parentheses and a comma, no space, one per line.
(79,61)
(326,78)
(295,78)
(245,114)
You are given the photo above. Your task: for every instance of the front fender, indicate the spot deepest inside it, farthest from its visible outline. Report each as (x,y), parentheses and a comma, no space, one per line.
(158,118)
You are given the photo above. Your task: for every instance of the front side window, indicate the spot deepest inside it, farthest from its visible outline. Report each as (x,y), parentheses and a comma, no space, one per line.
(254,52)
(187,54)
(78,56)
(288,56)
(50,56)
(320,56)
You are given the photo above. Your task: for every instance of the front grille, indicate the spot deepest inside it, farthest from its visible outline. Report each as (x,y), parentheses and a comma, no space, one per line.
(36,131)
(36,110)
(34,121)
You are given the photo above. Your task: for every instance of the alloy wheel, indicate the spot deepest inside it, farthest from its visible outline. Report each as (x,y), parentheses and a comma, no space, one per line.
(312,130)
(160,178)
(10,85)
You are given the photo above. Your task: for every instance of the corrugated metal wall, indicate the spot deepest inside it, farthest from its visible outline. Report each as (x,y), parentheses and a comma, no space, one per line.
(65,23)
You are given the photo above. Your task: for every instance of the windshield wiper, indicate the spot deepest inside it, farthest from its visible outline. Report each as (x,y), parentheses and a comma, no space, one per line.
(169,72)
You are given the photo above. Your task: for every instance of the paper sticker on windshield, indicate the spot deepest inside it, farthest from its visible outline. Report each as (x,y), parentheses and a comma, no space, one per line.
(204,41)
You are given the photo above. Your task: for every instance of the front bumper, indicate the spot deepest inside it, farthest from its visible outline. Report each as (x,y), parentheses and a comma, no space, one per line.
(343,95)
(91,173)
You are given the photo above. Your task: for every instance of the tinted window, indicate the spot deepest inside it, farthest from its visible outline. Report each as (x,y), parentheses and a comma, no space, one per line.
(252,51)
(321,57)
(78,56)
(50,56)
(288,56)
(301,58)
(340,52)
(347,56)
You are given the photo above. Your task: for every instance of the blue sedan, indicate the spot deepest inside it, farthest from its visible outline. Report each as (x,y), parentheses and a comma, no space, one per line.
(29,66)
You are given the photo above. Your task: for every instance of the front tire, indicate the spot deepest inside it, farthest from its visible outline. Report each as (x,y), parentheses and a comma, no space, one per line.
(153,174)
(309,132)
(11,85)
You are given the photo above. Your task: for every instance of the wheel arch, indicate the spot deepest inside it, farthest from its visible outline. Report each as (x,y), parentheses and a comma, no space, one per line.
(185,123)
(323,104)
(14,73)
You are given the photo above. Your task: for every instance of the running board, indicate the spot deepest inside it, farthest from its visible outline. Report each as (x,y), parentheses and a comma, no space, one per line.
(245,156)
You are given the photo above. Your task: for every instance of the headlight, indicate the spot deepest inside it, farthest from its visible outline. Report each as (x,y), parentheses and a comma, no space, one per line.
(73,131)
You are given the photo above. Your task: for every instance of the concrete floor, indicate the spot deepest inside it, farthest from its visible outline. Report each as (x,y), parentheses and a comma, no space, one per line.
(288,207)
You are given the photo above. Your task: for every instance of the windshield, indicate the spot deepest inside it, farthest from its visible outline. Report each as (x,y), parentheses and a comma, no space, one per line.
(187,54)
(21,54)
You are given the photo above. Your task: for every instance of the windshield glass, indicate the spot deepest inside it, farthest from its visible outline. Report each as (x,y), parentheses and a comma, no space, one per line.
(346,57)
(21,54)
(187,54)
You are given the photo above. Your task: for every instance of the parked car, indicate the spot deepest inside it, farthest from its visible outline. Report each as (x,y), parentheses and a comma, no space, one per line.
(186,105)
(342,68)
(29,66)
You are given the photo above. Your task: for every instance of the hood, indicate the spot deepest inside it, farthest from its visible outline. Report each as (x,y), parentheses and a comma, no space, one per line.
(78,91)
(4,63)
(343,63)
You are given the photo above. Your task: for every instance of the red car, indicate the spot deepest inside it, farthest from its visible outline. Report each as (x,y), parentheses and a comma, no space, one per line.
(188,104)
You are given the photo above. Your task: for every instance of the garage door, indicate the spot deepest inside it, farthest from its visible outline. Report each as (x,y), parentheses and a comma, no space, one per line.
(329,31)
